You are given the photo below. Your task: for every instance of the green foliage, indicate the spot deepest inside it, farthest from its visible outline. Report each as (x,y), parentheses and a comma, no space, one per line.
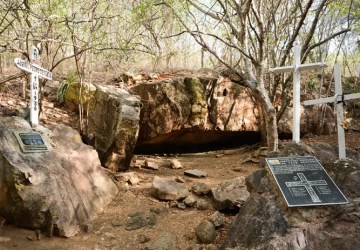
(64,86)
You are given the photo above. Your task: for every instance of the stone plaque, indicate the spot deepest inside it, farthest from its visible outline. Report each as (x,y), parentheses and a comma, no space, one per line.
(31,142)
(304,182)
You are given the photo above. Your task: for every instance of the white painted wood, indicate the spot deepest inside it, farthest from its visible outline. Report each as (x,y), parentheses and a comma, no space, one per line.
(34,55)
(338,99)
(297,68)
(36,72)
(311,66)
(351,96)
(320,101)
(34,100)
(340,113)
(33,68)
(296,94)
(281,69)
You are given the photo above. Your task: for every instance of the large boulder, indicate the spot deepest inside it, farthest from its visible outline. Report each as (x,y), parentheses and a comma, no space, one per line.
(193,111)
(113,122)
(55,191)
(265,222)
(196,111)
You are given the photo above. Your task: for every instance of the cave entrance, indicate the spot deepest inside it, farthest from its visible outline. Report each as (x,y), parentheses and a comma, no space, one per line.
(190,141)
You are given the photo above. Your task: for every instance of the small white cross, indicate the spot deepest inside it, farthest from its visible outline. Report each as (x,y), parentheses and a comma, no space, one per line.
(297,68)
(338,99)
(36,72)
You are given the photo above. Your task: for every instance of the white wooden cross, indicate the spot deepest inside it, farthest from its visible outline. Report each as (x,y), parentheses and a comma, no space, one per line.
(338,99)
(36,72)
(297,68)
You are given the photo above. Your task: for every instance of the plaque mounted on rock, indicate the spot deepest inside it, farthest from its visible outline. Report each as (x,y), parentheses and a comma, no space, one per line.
(304,182)
(31,142)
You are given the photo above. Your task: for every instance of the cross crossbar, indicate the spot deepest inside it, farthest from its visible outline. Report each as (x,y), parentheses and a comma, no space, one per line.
(336,98)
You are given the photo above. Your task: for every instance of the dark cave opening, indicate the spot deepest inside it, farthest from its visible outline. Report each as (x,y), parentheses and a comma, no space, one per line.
(187,141)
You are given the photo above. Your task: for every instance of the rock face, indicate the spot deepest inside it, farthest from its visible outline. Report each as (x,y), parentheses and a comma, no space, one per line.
(230,194)
(194,110)
(113,123)
(198,111)
(56,191)
(264,222)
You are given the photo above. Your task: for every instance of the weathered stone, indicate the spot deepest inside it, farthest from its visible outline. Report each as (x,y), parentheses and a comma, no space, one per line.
(176,107)
(205,232)
(181,205)
(130,177)
(217,218)
(353,183)
(265,223)
(143,238)
(159,210)
(175,164)
(138,220)
(165,241)
(113,122)
(69,176)
(72,97)
(202,204)
(193,111)
(258,182)
(230,194)
(190,200)
(195,173)
(151,165)
(259,219)
(201,189)
(238,169)
(168,189)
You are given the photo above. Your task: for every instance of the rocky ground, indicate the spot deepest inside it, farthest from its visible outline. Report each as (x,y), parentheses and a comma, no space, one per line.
(136,219)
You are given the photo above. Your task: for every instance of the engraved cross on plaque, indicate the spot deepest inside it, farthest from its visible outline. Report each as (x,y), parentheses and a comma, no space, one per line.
(338,99)
(307,185)
(297,68)
(36,72)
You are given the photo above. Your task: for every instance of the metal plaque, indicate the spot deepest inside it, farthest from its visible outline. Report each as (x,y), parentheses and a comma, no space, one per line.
(304,182)
(31,142)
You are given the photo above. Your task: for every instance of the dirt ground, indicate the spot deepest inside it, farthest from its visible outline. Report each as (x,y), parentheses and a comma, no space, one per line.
(108,231)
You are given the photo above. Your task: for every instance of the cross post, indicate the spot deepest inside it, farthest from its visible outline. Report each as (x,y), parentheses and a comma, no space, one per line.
(297,68)
(338,100)
(36,72)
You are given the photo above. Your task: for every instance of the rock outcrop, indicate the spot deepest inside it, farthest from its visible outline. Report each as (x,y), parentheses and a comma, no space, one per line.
(264,221)
(55,191)
(113,122)
(196,111)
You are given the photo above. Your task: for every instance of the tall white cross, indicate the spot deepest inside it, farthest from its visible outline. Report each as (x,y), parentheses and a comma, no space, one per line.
(338,99)
(36,72)
(297,68)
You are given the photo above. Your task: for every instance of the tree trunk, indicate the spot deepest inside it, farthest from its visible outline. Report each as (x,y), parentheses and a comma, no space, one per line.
(269,115)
